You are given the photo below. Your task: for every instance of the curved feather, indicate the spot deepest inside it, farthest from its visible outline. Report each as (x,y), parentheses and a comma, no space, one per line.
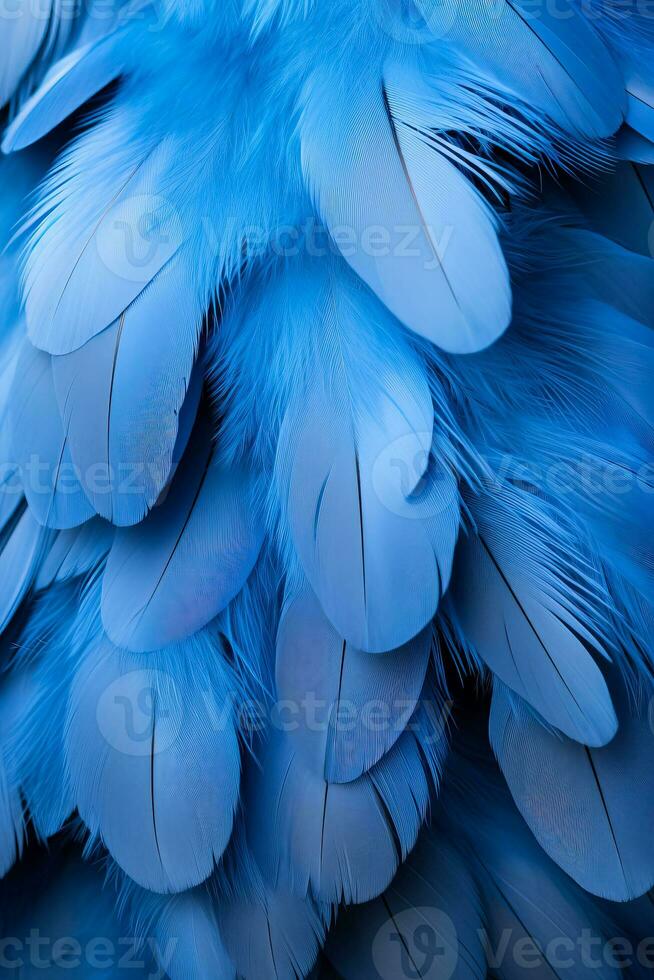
(153,776)
(630,145)
(370,167)
(623,281)
(364,701)
(106,234)
(19,560)
(75,553)
(25,28)
(343,841)
(188,943)
(433,891)
(518,606)
(528,900)
(590,809)
(120,397)
(36,742)
(70,926)
(201,954)
(14,697)
(551,58)
(633,53)
(67,86)
(277,935)
(623,207)
(41,445)
(374,541)
(173,573)
(268,932)
(531,910)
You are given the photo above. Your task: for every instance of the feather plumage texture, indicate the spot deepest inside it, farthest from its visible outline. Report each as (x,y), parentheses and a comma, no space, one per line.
(376,548)
(173,573)
(583,787)
(326,347)
(349,686)
(143,754)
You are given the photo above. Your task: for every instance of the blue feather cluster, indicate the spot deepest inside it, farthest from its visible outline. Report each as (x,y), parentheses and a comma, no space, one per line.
(326,489)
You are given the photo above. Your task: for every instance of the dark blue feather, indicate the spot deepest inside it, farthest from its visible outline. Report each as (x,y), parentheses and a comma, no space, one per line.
(519,600)
(590,809)
(363,701)
(14,699)
(174,572)
(432,905)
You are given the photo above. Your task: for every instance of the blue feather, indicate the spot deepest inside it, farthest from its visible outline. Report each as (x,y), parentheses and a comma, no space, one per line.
(519,600)
(154,759)
(174,572)
(561,787)
(71,927)
(529,905)
(41,445)
(120,397)
(22,39)
(268,932)
(36,743)
(68,85)
(364,701)
(630,145)
(127,197)
(434,892)
(375,171)
(323,835)
(21,554)
(76,552)
(86,268)
(14,698)
(623,208)
(552,59)
(188,943)
(375,543)
(188,925)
